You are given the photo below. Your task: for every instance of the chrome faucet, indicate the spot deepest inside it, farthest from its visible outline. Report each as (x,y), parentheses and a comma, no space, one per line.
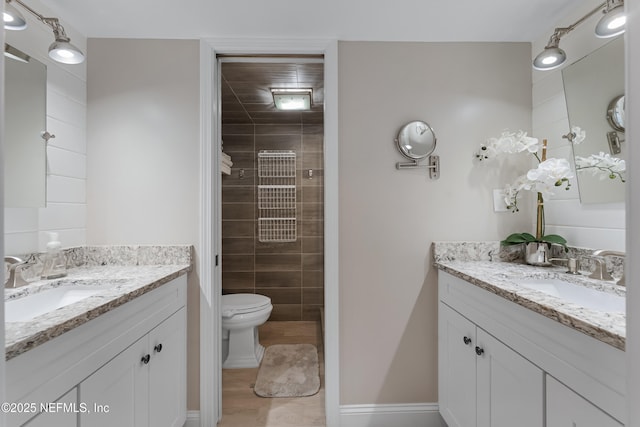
(13,280)
(600,271)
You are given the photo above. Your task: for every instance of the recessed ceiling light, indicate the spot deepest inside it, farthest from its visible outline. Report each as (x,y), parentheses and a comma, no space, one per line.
(292,99)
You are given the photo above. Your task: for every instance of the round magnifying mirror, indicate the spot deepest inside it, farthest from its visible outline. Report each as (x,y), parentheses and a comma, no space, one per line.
(615,113)
(416,140)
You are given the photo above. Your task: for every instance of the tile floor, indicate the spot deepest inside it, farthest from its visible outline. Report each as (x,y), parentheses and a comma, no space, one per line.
(242,408)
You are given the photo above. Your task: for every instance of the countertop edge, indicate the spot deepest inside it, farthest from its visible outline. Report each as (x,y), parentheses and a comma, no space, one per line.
(580,325)
(42,336)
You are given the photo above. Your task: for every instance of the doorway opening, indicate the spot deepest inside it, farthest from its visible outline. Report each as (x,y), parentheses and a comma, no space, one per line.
(287,265)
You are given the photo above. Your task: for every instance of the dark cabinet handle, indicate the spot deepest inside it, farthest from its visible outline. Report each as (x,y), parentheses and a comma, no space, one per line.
(157,348)
(466,340)
(145,359)
(479,351)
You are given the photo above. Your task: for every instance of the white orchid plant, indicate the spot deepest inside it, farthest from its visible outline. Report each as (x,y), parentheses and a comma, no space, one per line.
(549,175)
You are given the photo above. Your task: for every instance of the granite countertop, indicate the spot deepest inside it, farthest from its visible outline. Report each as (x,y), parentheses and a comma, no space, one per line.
(501,278)
(115,285)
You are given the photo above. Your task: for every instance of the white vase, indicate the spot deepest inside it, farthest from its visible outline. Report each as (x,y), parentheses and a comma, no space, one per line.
(537,253)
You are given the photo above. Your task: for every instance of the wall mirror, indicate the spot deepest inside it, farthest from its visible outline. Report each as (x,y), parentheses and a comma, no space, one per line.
(25,121)
(594,91)
(416,141)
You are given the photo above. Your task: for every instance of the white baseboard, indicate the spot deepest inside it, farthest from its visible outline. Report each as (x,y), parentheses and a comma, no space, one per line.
(399,415)
(193,419)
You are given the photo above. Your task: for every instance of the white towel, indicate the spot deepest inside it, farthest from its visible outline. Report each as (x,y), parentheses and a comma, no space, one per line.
(225,170)
(225,157)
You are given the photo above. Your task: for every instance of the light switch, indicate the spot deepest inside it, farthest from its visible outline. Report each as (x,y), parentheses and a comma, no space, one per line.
(498,201)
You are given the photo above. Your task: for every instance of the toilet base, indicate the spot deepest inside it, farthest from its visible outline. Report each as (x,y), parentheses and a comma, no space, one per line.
(241,349)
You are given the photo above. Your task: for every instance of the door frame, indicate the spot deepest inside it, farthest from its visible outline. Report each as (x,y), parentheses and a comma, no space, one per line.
(210,243)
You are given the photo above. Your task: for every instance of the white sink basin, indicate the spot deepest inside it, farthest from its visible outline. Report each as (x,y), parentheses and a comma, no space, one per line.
(27,307)
(576,294)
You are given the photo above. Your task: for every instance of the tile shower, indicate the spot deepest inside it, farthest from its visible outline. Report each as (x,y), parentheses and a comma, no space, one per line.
(290,273)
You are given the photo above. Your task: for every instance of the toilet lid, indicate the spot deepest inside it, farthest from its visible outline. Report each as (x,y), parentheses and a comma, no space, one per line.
(233,304)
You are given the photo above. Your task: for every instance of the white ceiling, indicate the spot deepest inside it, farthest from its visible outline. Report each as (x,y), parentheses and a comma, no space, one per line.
(382,20)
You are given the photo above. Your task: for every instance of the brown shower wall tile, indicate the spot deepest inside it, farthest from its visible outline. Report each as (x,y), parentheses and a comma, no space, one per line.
(312,194)
(313,143)
(312,228)
(238,143)
(239,211)
(267,129)
(238,280)
(312,262)
(312,211)
(279,142)
(290,273)
(278,279)
(312,161)
(312,245)
(237,263)
(238,246)
(313,296)
(286,312)
(279,247)
(283,295)
(311,312)
(233,129)
(314,129)
(278,262)
(238,194)
(238,228)
(313,279)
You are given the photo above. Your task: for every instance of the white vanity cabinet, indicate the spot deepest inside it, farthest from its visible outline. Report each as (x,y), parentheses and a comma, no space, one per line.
(501,364)
(482,382)
(60,415)
(103,362)
(566,408)
(145,385)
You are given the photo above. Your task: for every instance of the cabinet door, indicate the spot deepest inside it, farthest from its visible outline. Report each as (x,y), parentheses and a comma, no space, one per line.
(168,372)
(65,415)
(457,368)
(117,393)
(509,389)
(565,408)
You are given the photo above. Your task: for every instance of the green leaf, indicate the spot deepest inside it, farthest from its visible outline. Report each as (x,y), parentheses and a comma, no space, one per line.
(517,238)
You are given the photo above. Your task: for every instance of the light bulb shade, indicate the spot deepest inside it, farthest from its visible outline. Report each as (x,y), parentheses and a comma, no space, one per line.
(612,23)
(292,99)
(66,53)
(13,19)
(549,58)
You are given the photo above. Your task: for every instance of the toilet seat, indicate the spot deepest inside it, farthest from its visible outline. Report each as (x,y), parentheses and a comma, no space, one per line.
(234,304)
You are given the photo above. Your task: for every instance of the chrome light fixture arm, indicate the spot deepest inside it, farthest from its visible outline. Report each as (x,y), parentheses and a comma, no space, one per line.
(61,50)
(552,56)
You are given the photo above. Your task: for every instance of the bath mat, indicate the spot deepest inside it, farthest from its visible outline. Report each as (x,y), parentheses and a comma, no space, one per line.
(288,370)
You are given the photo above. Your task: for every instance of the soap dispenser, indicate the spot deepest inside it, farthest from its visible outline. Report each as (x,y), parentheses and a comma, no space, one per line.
(55,264)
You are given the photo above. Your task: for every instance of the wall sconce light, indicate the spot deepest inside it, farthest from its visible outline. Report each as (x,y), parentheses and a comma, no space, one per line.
(61,50)
(13,19)
(614,20)
(610,25)
(290,99)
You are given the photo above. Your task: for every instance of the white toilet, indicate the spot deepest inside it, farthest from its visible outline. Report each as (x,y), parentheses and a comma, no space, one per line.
(241,316)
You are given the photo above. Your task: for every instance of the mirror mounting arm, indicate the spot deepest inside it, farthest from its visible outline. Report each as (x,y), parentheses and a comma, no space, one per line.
(433,166)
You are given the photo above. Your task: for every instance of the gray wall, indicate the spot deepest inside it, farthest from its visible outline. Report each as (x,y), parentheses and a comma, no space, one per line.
(388,218)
